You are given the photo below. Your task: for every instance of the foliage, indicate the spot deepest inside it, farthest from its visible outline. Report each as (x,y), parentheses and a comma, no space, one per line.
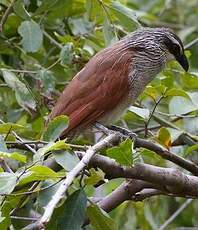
(42,45)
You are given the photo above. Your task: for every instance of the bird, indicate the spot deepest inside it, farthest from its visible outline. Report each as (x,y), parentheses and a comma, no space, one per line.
(113,79)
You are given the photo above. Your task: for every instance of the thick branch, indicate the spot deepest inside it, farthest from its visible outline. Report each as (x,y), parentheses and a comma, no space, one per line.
(186,164)
(124,192)
(172,180)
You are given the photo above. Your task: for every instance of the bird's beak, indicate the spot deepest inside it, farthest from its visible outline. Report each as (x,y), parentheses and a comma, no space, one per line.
(183,61)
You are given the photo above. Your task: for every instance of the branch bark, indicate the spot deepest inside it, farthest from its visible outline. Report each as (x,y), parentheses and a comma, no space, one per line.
(71,176)
(164,153)
(171,180)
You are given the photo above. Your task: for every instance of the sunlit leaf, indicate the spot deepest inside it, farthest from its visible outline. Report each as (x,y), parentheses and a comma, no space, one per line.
(38,172)
(95,177)
(176,92)
(164,137)
(14,155)
(123,154)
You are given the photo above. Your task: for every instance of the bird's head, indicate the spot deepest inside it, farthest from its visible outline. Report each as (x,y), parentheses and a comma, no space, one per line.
(174,47)
(166,40)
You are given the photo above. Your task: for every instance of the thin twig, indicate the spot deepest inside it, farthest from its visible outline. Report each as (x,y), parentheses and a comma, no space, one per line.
(6,14)
(151,114)
(175,214)
(190,44)
(24,218)
(21,140)
(52,40)
(5,166)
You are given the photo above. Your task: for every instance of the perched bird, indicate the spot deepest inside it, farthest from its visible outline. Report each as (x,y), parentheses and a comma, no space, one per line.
(113,79)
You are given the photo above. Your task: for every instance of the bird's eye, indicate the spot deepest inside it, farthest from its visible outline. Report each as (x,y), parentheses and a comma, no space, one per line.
(176,48)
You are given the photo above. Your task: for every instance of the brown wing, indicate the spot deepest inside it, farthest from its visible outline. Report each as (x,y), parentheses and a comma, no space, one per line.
(96,89)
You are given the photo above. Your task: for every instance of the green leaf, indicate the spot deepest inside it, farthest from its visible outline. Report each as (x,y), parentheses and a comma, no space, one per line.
(67,54)
(125,11)
(191,149)
(8,182)
(99,218)
(19,9)
(151,91)
(108,31)
(143,113)
(123,153)
(72,214)
(23,96)
(180,105)
(95,176)
(3,146)
(149,216)
(176,92)
(48,80)
(46,195)
(45,6)
(38,172)
(55,128)
(51,146)
(32,36)
(15,156)
(67,160)
(164,137)
(190,81)
(59,145)
(7,127)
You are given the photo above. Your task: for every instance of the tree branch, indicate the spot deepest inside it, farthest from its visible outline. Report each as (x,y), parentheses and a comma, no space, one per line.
(164,153)
(168,179)
(71,176)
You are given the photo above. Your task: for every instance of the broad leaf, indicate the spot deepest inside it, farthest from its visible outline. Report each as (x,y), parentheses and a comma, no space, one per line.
(67,160)
(176,92)
(180,105)
(7,127)
(19,9)
(125,11)
(66,54)
(38,172)
(72,213)
(95,176)
(45,6)
(99,219)
(8,182)
(15,156)
(164,137)
(55,128)
(23,96)
(123,154)
(143,113)
(32,36)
